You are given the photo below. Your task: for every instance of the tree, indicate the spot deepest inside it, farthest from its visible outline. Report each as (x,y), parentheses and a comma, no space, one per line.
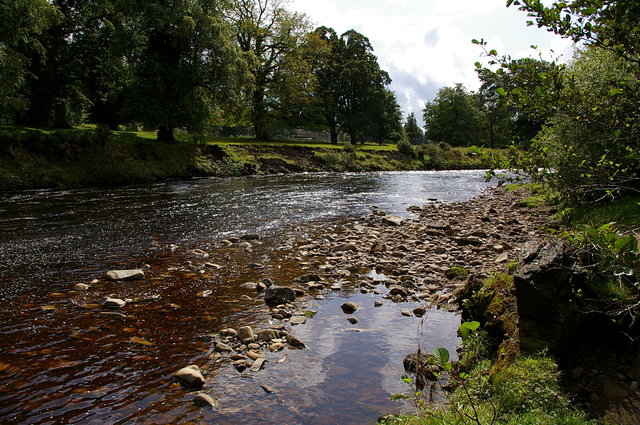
(454,117)
(187,68)
(274,37)
(413,131)
(608,24)
(23,22)
(351,93)
(592,134)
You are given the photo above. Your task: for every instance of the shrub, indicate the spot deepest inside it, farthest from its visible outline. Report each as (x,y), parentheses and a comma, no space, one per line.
(406,149)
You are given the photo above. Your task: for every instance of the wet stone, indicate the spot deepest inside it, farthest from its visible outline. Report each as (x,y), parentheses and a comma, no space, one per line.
(125,274)
(190,376)
(350,307)
(205,400)
(298,320)
(245,335)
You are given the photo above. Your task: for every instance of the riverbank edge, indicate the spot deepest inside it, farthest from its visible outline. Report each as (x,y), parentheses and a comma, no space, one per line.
(88,159)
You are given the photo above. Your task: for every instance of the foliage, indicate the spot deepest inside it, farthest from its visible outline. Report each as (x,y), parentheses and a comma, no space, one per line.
(188,66)
(412,130)
(406,149)
(274,39)
(525,392)
(351,93)
(454,117)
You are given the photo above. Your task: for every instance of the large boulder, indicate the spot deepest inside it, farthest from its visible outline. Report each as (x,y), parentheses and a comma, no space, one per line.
(543,279)
(277,295)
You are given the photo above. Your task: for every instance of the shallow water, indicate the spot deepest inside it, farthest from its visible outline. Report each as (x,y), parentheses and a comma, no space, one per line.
(65,360)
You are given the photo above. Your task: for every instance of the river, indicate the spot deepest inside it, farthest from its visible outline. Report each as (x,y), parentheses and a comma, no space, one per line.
(65,360)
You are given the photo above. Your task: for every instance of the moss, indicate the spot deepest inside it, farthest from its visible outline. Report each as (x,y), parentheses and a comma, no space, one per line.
(457,273)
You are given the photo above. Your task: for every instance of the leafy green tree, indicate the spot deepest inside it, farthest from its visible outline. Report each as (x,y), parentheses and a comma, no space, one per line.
(454,117)
(23,22)
(351,93)
(275,40)
(413,131)
(609,24)
(591,108)
(188,67)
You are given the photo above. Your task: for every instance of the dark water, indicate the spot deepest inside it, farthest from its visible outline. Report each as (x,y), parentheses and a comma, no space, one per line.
(63,360)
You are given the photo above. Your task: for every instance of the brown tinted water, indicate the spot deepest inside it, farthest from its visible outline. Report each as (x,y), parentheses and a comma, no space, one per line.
(64,359)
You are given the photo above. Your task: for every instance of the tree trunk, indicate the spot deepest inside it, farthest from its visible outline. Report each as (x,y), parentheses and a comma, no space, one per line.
(259,115)
(60,115)
(334,134)
(165,134)
(352,135)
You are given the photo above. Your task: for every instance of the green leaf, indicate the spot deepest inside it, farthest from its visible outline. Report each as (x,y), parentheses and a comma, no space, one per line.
(396,397)
(442,354)
(501,91)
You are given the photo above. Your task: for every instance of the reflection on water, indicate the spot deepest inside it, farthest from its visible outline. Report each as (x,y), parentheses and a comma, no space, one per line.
(65,360)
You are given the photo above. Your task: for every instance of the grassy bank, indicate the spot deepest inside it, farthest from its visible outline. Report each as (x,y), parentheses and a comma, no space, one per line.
(86,157)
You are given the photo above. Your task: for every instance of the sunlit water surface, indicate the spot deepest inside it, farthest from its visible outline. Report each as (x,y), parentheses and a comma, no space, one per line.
(65,360)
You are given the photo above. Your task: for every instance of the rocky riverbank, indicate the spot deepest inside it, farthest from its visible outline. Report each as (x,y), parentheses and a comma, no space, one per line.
(377,264)
(427,259)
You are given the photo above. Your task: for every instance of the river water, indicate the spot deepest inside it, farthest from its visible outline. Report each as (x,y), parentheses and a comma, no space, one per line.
(65,360)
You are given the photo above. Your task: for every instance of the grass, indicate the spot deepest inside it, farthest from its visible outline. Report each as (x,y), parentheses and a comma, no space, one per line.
(527,392)
(91,156)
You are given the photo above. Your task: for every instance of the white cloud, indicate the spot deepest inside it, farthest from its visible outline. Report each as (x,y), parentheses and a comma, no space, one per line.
(426,44)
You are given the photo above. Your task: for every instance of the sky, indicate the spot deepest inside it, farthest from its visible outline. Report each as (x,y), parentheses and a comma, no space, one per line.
(426,44)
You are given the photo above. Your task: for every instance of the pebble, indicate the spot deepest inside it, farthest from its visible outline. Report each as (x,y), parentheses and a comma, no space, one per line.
(352,320)
(205,400)
(80,287)
(113,303)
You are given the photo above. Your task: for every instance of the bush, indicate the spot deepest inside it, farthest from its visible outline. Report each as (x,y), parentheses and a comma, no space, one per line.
(406,149)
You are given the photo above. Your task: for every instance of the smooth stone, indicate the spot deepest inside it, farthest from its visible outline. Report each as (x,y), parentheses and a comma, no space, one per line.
(81,287)
(253,346)
(405,312)
(190,376)
(245,335)
(277,346)
(294,341)
(298,320)
(267,335)
(125,274)
(350,307)
(267,388)
(113,303)
(393,220)
(502,258)
(222,347)
(378,303)
(205,400)
(250,237)
(253,355)
(345,247)
(229,332)
(419,311)
(352,320)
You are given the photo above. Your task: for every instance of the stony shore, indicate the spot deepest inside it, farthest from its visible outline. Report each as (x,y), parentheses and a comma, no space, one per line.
(427,259)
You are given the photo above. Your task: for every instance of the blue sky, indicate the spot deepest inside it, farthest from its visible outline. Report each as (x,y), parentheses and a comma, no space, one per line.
(426,44)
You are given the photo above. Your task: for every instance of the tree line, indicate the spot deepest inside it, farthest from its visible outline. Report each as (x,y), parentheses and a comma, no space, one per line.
(575,124)
(201,65)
